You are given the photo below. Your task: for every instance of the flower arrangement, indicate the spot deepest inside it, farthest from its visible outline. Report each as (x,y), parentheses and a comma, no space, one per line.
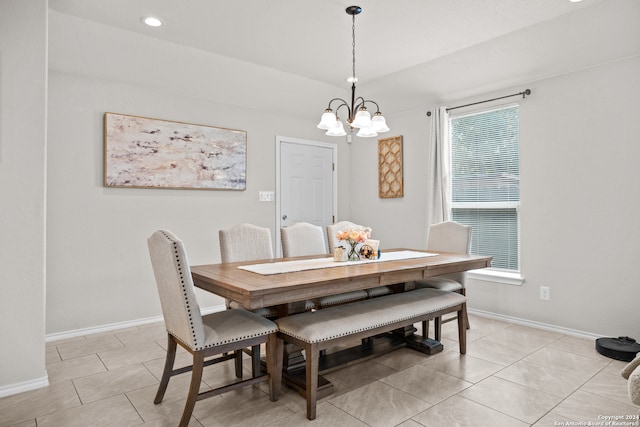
(354,236)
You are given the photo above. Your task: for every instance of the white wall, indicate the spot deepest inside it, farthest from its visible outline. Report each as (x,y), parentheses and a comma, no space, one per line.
(580,157)
(23,92)
(98,267)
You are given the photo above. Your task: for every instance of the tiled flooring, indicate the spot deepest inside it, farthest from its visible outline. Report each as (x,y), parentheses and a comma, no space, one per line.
(511,376)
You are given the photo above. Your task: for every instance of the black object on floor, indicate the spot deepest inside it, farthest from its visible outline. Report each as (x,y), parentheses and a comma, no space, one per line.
(621,348)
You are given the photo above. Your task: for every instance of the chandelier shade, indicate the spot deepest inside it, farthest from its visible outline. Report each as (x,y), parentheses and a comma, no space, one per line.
(367,132)
(337,129)
(327,121)
(379,123)
(357,115)
(362,119)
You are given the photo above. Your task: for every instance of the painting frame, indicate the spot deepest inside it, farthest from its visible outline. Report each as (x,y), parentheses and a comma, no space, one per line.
(390,168)
(145,152)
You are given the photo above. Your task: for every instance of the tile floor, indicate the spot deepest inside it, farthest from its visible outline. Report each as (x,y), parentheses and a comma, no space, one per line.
(511,376)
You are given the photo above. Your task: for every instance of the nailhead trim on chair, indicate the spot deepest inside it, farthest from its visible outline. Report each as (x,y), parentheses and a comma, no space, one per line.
(225,341)
(184,291)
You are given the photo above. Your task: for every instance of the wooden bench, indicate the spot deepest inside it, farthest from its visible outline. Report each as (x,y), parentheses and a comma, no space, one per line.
(318,330)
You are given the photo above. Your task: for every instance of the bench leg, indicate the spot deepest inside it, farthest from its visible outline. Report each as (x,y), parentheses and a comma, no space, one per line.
(437,326)
(313,356)
(462,328)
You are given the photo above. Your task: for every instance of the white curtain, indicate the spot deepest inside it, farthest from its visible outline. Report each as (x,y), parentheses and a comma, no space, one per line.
(438,176)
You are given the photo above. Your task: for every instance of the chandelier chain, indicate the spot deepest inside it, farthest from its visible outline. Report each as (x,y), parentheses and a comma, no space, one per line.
(353,45)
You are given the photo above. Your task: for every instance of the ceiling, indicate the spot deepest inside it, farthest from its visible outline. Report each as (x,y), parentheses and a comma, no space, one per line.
(402,46)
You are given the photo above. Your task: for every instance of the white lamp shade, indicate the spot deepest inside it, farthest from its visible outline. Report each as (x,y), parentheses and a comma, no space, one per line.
(379,123)
(328,120)
(337,129)
(367,132)
(362,119)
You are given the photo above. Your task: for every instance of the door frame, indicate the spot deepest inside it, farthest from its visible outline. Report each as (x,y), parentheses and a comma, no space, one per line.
(334,150)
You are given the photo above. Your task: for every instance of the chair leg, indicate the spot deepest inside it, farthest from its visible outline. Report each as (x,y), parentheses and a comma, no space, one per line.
(194,388)
(275,353)
(463,291)
(168,367)
(462,329)
(313,357)
(466,319)
(238,363)
(255,361)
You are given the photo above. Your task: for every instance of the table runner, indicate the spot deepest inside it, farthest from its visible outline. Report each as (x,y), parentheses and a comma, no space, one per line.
(326,262)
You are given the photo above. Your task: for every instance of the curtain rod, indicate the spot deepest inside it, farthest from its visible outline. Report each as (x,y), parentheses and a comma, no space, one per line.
(523,93)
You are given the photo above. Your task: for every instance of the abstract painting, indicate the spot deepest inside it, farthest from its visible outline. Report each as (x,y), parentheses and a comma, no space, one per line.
(141,152)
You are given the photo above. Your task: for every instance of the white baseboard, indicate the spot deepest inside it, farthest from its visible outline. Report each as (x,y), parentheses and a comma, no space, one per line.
(533,324)
(119,325)
(11,389)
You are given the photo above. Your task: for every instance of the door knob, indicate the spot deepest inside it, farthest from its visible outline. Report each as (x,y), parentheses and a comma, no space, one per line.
(284,217)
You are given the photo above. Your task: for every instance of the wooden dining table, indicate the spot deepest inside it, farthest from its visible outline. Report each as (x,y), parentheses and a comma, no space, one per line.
(253,290)
(283,290)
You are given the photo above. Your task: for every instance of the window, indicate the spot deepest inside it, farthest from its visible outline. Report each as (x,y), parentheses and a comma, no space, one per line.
(485,182)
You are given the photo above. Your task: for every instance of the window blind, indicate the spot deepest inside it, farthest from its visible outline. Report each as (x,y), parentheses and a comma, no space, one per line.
(485,179)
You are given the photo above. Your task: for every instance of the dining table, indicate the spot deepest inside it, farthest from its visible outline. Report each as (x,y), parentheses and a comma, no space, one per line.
(285,284)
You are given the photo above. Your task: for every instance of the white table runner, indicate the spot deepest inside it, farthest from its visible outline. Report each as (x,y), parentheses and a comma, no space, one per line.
(326,262)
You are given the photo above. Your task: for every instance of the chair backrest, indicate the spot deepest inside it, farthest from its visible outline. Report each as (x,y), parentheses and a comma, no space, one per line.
(303,238)
(334,229)
(245,242)
(180,308)
(450,236)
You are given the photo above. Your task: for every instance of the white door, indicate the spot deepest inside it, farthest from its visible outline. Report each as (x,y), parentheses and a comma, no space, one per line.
(306,185)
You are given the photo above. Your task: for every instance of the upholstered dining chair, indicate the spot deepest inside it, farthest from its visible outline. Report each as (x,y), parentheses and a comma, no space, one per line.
(245,242)
(302,239)
(249,242)
(448,236)
(223,333)
(332,231)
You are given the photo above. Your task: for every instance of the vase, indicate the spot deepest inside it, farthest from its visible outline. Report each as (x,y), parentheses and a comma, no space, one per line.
(353,252)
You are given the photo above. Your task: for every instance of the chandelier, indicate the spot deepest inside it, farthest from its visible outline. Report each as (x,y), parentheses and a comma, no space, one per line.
(357,114)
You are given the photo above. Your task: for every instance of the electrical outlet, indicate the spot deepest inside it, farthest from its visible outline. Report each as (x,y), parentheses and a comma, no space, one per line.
(545,293)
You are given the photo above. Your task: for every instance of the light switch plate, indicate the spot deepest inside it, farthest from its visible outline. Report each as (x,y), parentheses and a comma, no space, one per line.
(266,196)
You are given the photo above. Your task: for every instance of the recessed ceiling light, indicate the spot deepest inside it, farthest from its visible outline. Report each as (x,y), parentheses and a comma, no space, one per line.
(151,21)
(575,1)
